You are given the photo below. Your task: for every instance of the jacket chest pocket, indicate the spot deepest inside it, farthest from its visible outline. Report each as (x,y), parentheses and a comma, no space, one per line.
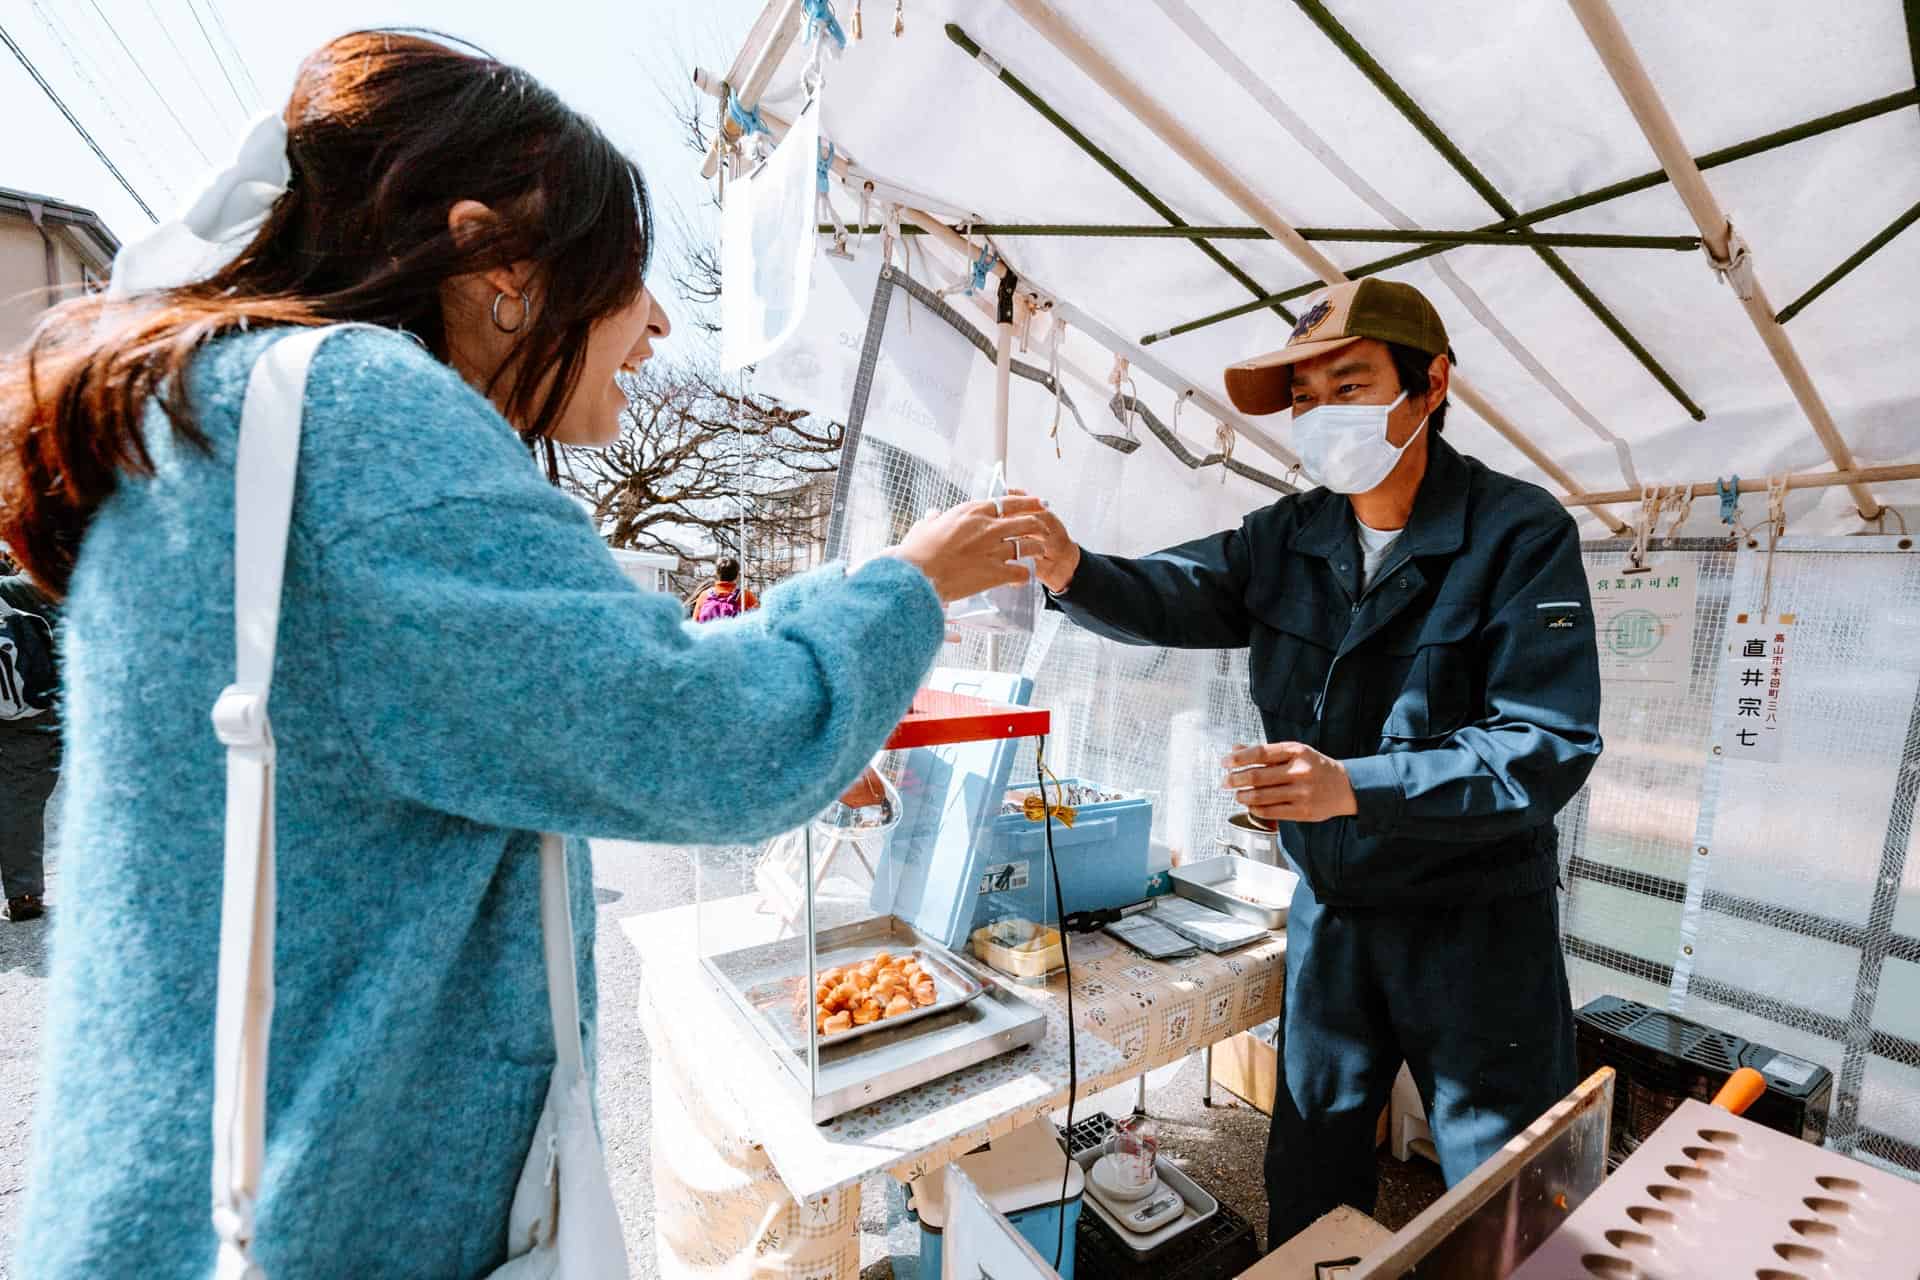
(1289,657)
(1288,660)
(1441,691)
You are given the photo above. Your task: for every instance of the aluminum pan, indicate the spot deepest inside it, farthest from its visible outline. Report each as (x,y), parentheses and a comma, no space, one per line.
(1239,886)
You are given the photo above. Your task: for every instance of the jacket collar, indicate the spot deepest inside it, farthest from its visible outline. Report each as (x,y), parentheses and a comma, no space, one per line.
(1437,526)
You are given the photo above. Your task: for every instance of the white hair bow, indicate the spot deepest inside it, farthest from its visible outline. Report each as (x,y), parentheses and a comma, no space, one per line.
(222,218)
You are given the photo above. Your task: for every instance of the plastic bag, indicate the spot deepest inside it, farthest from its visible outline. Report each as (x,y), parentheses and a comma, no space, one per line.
(766,247)
(1005,609)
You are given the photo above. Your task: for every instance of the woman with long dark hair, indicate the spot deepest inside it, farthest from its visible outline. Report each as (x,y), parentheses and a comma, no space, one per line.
(461,664)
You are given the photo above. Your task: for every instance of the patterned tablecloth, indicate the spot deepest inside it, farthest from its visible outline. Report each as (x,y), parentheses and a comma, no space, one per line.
(1133,1014)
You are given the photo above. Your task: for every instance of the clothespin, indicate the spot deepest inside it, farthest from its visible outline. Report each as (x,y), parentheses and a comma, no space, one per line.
(899,18)
(982,266)
(857,33)
(821,21)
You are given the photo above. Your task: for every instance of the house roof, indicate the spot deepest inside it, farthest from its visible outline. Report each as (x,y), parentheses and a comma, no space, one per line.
(83,227)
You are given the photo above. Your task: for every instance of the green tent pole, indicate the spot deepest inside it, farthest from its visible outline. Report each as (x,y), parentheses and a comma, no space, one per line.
(1645,182)
(1107,162)
(1853,260)
(1432,132)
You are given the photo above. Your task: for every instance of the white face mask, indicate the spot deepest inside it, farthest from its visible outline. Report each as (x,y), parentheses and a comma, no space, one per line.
(1345,446)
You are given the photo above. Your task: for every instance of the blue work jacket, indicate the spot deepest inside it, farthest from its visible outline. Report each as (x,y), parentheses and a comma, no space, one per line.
(1461,689)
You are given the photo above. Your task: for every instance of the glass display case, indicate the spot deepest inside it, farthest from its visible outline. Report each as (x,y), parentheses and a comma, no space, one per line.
(848,952)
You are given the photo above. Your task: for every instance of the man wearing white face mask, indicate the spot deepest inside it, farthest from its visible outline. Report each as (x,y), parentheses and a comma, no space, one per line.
(1422,654)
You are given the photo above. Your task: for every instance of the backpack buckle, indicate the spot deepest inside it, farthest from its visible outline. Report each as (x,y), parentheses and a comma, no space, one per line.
(240,716)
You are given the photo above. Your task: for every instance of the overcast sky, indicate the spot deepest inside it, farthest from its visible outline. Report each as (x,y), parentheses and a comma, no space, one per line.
(143,78)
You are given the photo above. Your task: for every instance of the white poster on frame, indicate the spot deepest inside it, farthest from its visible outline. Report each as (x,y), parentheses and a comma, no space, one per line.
(1644,624)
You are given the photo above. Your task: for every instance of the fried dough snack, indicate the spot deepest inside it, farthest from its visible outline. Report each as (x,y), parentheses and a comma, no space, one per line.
(859,995)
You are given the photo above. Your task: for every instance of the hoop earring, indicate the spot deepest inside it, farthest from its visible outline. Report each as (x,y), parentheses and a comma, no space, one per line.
(525,305)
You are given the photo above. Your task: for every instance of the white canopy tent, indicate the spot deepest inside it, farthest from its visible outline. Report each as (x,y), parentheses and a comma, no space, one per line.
(1675,248)
(1273,117)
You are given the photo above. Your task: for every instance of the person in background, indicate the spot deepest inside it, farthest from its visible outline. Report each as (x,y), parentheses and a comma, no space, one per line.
(29,741)
(724,597)
(461,666)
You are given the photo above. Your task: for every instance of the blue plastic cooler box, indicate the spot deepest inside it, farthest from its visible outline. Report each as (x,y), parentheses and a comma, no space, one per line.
(956,863)
(1102,858)
(1021,1176)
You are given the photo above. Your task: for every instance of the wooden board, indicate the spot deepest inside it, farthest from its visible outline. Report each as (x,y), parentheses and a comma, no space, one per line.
(1344,1233)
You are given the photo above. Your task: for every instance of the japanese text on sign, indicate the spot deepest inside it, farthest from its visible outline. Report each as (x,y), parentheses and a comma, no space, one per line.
(1644,625)
(1753,724)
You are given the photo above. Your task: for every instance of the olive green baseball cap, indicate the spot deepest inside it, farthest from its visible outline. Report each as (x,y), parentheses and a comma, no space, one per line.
(1337,317)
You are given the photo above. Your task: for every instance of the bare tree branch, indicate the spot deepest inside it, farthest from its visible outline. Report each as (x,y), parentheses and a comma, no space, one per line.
(695,453)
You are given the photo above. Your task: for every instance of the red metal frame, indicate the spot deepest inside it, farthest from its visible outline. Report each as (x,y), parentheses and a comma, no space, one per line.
(938,719)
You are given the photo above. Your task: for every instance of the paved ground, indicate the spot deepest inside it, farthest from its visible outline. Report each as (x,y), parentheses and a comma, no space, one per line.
(1222,1147)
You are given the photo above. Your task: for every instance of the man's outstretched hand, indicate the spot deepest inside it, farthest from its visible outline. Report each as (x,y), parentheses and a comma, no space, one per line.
(1289,782)
(1055,555)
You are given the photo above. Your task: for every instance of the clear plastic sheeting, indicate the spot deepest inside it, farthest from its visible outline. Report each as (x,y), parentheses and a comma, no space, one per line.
(1776,901)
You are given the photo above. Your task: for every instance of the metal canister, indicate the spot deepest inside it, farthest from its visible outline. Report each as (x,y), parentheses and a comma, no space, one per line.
(1247,837)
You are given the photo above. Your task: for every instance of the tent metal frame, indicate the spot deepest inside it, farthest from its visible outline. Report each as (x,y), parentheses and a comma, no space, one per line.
(1362,235)
(1614,191)
(1457,160)
(1852,260)
(780,24)
(1729,254)
(1074,45)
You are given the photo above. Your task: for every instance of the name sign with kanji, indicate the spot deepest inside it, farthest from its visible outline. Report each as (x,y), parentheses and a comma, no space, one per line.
(1753,722)
(1644,625)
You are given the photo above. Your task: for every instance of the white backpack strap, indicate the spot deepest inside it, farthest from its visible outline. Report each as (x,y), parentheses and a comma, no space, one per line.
(268,460)
(265,469)
(556,929)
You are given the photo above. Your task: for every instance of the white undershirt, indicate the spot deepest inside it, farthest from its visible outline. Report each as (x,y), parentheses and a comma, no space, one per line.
(1374,546)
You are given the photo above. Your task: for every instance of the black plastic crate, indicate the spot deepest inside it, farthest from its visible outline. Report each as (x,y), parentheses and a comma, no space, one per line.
(1662,1060)
(1217,1249)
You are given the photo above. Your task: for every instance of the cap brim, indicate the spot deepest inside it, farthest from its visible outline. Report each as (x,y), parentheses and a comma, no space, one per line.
(1264,384)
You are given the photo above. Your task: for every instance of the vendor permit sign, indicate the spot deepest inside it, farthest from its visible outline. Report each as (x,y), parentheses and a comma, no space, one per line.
(1644,623)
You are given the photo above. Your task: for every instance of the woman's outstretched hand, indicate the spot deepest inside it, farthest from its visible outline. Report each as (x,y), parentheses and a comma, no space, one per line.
(974,547)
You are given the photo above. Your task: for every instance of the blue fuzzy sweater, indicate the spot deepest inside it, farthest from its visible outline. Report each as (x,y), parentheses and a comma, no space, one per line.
(461,664)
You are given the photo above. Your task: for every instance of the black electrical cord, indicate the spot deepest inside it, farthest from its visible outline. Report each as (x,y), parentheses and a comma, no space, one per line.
(1073,1063)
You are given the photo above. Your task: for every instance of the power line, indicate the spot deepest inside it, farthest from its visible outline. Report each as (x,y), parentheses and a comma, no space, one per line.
(141,68)
(54,29)
(233,46)
(79,128)
(194,9)
(193,74)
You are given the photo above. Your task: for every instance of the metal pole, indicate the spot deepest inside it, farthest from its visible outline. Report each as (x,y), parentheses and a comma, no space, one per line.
(1853,260)
(1616,52)
(1457,159)
(1178,138)
(1105,161)
(1859,476)
(1088,323)
(1646,181)
(1357,235)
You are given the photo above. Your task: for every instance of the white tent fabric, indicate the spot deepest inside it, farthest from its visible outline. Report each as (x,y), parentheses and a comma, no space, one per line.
(1788,932)
(1526,98)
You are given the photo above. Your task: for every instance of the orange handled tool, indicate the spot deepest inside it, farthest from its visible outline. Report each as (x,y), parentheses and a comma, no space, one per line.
(1742,1089)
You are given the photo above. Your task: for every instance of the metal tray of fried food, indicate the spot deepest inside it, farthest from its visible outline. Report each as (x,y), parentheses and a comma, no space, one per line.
(787,1000)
